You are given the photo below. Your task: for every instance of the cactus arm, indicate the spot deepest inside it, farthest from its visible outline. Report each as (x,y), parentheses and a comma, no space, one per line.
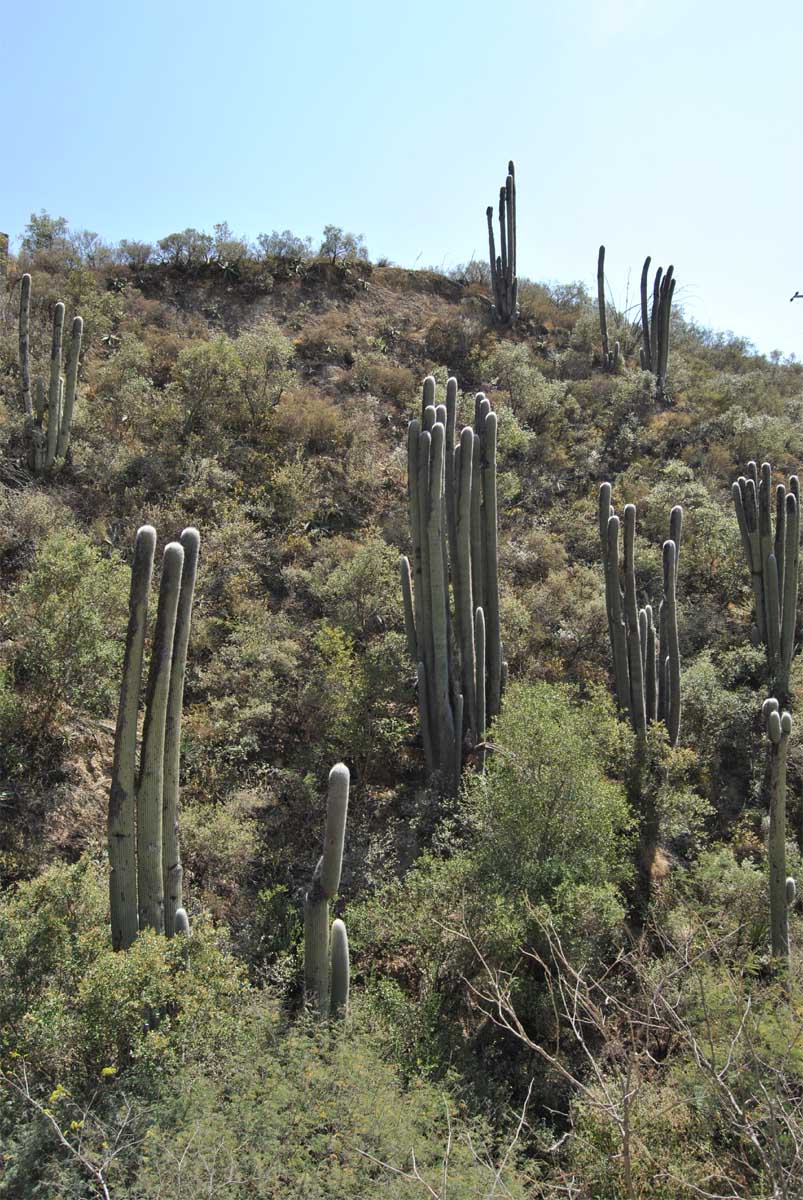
(479,641)
(779,726)
(428,397)
(451,497)
(181,923)
(650,673)
(646,362)
(462,575)
(779,545)
(491,564)
(325,882)
(637,707)
(477,543)
(673,643)
(425,716)
(773,602)
(73,358)
(407,601)
(440,630)
(414,496)
(123,877)
(171,852)
(790,589)
(25,355)
(55,384)
(603,320)
(339,998)
(150,881)
(489,213)
(618,628)
(424,614)
(655,320)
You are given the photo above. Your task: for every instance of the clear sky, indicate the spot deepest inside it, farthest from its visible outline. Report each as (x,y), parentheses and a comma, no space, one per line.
(672,129)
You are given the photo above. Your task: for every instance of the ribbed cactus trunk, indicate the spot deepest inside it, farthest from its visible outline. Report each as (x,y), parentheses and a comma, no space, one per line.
(779,727)
(138,849)
(454,528)
(47,444)
(504,280)
(326,970)
(774,565)
(646,661)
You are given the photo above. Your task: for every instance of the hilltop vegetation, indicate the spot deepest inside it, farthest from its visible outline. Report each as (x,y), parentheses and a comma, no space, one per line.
(520,1021)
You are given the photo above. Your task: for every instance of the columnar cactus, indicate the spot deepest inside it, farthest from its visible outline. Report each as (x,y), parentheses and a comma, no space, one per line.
(646,661)
(782,888)
(143,805)
(503,267)
(610,358)
(453,519)
(48,443)
(326,951)
(773,563)
(655,323)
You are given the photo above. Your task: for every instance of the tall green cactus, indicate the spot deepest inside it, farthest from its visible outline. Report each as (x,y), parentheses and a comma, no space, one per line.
(143,844)
(453,521)
(48,443)
(646,661)
(773,563)
(782,888)
(503,267)
(326,952)
(656,322)
(610,358)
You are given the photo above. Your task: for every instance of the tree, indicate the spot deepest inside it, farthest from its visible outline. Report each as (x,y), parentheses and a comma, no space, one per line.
(339,246)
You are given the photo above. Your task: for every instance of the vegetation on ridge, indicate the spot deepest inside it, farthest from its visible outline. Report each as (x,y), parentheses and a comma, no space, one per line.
(263,395)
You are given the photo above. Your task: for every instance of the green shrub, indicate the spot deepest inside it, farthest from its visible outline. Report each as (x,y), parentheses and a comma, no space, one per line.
(66,619)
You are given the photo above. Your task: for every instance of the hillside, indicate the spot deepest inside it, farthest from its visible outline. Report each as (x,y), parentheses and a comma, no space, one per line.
(571,957)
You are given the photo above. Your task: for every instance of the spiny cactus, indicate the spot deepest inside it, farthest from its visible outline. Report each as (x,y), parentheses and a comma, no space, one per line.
(143,805)
(610,358)
(453,520)
(773,563)
(503,267)
(779,726)
(655,323)
(646,661)
(48,443)
(326,965)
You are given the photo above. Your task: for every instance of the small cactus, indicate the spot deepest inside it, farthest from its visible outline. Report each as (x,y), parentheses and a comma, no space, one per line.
(138,849)
(326,969)
(503,267)
(48,443)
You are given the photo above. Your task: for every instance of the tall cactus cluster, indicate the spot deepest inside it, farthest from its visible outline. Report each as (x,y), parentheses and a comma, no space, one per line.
(782,887)
(655,322)
(453,522)
(326,949)
(145,884)
(503,266)
(47,443)
(773,563)
(610,358)
(646,661)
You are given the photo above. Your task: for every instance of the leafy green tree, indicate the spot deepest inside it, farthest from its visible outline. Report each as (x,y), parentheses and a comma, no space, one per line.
(339,246)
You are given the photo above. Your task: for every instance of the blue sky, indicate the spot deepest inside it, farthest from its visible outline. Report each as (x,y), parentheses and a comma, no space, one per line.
(670,129)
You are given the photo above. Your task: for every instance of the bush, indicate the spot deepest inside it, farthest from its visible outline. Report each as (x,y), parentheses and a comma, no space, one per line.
(66,619)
